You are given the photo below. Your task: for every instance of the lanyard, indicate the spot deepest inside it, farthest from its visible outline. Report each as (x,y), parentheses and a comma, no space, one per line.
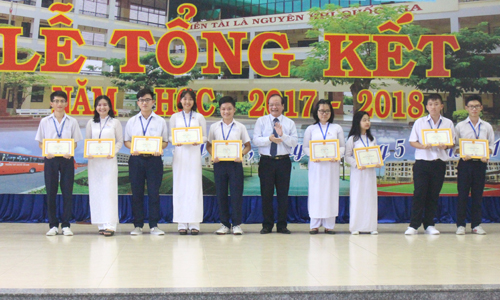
(324,134)
(222,128)
(147,125)
(184,116)
(478,129)
(367,141)
(101,128)
(59,134)
(439,124)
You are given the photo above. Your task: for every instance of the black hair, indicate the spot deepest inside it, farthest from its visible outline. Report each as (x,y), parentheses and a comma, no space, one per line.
(58,94)
(315,109)
(191,93)
(145,92)
(111,113)
(473,98)
(277,95)
(227,99)
(434,97)
(356,127)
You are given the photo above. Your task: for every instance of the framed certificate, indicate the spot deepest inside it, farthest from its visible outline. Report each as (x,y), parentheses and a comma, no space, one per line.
(146,144)
(474,148)
(437,136)
(227,150)
(58,147)
(324,150)
(368,156)
(99,147)
(187,135)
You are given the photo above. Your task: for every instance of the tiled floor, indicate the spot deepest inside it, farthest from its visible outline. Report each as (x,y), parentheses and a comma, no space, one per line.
(29,259)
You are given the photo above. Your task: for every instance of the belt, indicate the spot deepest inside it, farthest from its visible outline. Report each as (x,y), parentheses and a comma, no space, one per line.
(146,155)
(277,157)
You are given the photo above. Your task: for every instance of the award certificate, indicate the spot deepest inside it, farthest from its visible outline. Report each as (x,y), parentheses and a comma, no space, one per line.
(324,150)
(58,147)
(227,150)
(368,157)
(146,144)
(437,136)
(99,147)
(186,135)
(474,148)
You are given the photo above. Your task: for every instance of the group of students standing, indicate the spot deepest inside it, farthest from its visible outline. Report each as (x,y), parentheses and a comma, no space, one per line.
(275,136)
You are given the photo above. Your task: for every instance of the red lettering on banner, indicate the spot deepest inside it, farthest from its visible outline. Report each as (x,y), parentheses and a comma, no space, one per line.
(53,48)
(232,57)
(9,62)
(310,96)
(168,100)
(259,108)
(385,56)
(255,55)
(132,63)
(163,52)
(438,43)
(81,100)
(199,101)
(338,54)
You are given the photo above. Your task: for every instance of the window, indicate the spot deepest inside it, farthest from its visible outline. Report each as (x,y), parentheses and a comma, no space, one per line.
(37,93)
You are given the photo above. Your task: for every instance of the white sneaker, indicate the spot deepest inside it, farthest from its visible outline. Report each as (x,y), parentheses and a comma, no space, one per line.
(222,230)
(478,230)
(156,231)
(53,231)
(136,231)
(67,232)
(460,230)
(237,230)
(374,232)
(432,230)
(411,231)
(355,233)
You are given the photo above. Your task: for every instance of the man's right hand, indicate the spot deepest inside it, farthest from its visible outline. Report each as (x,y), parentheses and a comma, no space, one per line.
(274,139)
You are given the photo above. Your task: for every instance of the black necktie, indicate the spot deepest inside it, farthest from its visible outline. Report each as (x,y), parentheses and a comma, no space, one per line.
(274,146)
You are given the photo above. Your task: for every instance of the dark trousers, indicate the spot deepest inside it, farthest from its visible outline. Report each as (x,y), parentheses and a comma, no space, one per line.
(229,174)
(428,178)
(144,169)
(274,173)
(471,178)
(52,168)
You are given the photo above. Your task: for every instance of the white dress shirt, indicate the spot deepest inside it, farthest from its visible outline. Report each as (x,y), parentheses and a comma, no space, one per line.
(235,131)
(68,128)
(416,136)
(264,128)
(157,127)
(483,129)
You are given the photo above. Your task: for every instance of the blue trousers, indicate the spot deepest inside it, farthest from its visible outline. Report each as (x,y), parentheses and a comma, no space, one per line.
(229,175)
(144,169)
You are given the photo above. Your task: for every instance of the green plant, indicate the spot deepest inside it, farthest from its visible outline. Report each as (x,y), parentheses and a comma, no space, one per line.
(460,115)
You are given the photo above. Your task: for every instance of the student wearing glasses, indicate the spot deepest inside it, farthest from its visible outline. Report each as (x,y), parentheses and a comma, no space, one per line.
(324,176)
(59,126)
(146,167)
(472,172)
(186,168)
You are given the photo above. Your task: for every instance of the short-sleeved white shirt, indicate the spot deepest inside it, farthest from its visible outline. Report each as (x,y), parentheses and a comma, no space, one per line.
(465,131)
(68,128)
(416,136)
(157,127)
(234,131)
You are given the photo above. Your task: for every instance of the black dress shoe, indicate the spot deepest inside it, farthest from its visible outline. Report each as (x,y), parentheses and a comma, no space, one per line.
(265,231)
(284,230)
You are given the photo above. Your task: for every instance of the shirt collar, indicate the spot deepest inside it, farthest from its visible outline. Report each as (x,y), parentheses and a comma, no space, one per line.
(280,118)
(478,122)
(150,116)
(222,122)
(429,118)
(54,117)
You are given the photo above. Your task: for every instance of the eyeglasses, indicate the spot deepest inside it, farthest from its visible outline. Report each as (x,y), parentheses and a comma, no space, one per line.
(323,111)
(59,101)
(144,100)
(474,106)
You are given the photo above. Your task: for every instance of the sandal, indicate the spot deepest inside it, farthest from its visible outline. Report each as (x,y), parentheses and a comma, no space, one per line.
(194,231)
(108,232)
(314,231)
(183,232)
(329,231)
(101,231)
